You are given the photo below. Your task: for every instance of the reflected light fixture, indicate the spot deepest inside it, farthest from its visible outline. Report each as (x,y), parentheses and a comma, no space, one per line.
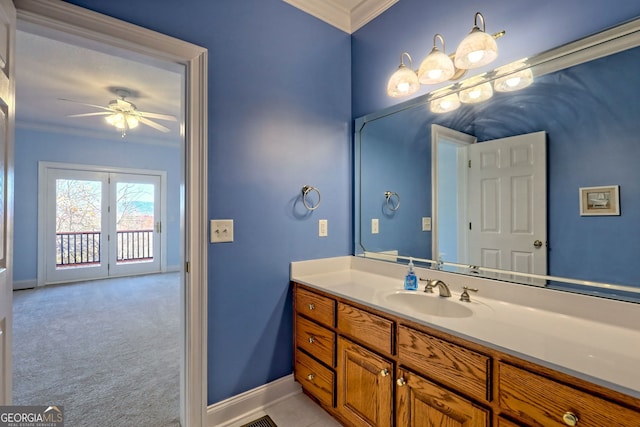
(404,81)
(123,120)
(445,104)
(476,94)
(437,67)
(477,49)
(511,81)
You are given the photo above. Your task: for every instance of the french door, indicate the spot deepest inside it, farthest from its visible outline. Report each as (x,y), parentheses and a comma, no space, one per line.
(100,224)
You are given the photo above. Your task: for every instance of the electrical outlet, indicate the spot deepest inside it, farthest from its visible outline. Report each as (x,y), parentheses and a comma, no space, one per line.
(426,223)
(221,230)
(323,225)
(374,226)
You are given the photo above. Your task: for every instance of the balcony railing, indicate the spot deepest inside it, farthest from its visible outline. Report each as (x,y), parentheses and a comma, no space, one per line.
(82,248)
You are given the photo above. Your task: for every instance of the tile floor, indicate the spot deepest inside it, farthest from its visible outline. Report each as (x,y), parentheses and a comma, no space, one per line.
(295,411)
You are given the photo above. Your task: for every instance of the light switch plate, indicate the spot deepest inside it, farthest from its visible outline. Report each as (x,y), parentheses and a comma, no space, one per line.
(322,228)
(221,230)
(375,226)
(426,223)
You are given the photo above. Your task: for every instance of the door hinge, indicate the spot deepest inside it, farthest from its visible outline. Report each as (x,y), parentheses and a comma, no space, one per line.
(158,227)
(108,237)
(469,226)
(469,164)
(187,265)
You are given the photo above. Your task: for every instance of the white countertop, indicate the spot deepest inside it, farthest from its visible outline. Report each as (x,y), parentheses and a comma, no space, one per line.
(592,338)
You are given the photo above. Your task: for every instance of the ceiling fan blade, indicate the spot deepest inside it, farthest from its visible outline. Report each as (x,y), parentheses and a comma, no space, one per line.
(154,125)
(100,113)
(102,107)
(158,116)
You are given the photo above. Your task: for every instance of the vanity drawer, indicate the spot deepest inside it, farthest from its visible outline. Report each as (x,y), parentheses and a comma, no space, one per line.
(317,307)
(447,363)
(539,401)
(374,331)
(315,378)
(316,340)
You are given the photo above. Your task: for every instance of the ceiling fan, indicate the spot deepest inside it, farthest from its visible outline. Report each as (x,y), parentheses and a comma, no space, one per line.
(124,115)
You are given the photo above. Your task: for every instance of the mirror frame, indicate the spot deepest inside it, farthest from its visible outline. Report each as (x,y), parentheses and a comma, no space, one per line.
(608,42)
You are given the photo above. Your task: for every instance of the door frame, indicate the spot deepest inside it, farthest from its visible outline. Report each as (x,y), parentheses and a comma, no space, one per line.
(90,25)
(43,205)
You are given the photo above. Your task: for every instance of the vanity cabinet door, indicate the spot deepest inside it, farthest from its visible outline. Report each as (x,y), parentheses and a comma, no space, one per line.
(421,403)
(365,386)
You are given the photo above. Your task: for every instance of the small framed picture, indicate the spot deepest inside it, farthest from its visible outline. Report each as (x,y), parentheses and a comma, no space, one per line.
(600,200)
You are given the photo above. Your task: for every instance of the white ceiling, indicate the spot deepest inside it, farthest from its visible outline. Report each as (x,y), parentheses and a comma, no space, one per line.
(347,15)
(51,65)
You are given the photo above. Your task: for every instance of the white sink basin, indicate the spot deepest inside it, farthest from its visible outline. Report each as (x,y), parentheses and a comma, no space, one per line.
(431,305)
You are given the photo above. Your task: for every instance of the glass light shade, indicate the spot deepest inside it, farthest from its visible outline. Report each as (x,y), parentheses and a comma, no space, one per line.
(116,119)
(132,121)
(437,67)
(403,82)
(476,94)
(513,82)
(445,104)
(476,50)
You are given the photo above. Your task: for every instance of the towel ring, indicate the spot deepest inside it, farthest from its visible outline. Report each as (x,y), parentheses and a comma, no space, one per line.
(305,191)
(388,195)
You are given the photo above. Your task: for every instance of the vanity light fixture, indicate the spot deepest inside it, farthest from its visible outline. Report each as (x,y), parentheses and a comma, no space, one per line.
(477,93)
(511,81)
(404,81)
(445,104)
(477,49)
(437,67)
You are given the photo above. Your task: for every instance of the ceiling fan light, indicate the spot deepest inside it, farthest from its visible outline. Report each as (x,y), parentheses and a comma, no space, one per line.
(404,81)
(132,121)
(477,49)
(476,94)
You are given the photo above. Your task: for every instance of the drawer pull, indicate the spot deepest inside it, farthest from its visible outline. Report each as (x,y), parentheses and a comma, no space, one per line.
(312,306)
(310,377)
(312,340)
(384,372)
(570,419)
(401,382)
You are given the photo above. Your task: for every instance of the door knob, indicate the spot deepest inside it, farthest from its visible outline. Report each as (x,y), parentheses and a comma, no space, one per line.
(537,244)
(384,372)
(401,381)
(570,419)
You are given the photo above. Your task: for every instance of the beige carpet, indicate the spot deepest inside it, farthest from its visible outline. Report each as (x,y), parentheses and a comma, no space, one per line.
(106,350)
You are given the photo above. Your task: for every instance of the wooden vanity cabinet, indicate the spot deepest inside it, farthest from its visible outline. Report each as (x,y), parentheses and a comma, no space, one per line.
(421,403)
(370,368)
(365,386)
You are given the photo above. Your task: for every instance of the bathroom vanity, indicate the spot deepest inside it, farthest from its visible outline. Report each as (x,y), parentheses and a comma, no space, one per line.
(372,354)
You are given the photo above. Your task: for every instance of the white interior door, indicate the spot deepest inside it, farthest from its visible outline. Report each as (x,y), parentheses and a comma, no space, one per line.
(508,204)
(7,114)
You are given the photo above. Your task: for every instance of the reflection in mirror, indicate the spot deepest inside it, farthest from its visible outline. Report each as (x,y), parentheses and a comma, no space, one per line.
(589,114)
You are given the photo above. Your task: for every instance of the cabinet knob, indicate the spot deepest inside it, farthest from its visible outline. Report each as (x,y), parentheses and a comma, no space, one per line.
(312,340)
(570,419)
(312,307)
(384,372)
(310,377)
(401,382)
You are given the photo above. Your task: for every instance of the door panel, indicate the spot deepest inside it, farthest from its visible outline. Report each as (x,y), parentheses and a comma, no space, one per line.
(507,203)
(7,113)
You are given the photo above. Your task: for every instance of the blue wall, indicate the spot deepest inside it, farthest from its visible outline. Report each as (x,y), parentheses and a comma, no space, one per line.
(33,146)
(409,25)
(279,118)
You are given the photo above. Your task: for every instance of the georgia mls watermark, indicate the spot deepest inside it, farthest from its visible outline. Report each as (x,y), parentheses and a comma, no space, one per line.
(31,416)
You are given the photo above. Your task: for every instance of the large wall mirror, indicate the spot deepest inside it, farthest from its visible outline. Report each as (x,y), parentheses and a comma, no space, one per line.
(414,196)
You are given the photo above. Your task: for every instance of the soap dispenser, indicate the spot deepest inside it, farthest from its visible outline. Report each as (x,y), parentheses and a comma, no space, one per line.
(410,280)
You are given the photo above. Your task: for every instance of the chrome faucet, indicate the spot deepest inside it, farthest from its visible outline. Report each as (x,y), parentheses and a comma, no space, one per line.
(442,287)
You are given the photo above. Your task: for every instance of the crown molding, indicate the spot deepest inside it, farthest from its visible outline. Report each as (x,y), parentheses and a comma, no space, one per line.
(337,13)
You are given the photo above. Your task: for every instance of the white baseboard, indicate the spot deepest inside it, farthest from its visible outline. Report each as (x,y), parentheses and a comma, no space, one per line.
(24,284)
(228,411)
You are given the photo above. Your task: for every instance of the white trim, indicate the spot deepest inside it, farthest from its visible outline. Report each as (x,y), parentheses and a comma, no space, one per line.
(71,19)
(347,20)
(19,285)
(227,412)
